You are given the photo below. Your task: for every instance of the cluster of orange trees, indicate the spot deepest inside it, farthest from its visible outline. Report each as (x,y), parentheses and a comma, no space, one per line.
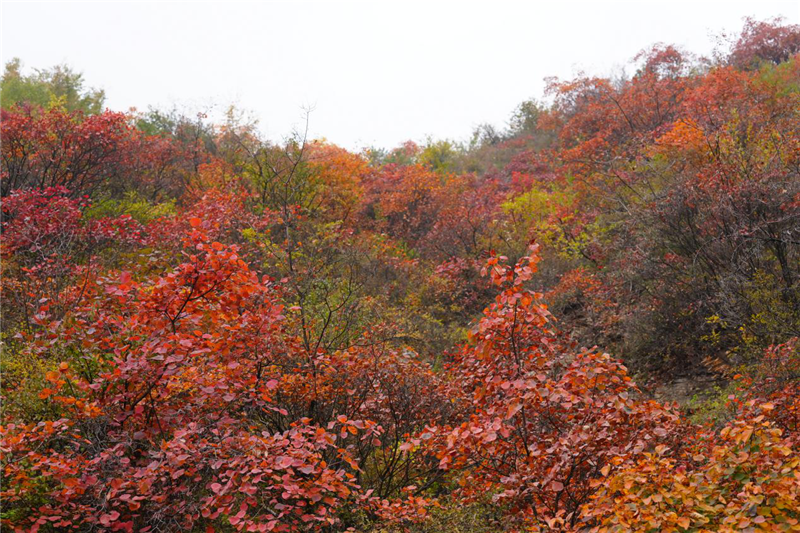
(206,331)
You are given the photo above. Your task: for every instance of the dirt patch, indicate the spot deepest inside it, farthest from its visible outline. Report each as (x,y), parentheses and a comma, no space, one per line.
(684,390)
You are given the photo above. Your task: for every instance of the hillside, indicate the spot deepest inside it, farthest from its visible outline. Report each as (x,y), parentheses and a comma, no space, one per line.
(584,321)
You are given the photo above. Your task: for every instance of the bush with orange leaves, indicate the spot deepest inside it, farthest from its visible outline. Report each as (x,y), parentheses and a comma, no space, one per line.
(747,478)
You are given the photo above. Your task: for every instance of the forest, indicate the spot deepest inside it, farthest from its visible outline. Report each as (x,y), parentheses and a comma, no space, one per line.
(584,321)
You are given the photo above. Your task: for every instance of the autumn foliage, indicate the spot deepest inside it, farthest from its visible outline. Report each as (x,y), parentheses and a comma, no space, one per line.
(206,331)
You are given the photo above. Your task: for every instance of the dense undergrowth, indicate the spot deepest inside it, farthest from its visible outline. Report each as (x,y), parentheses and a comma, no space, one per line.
(206,331)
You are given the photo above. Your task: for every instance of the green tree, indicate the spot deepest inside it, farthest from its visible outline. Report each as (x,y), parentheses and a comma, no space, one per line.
(439,156)
(58,85)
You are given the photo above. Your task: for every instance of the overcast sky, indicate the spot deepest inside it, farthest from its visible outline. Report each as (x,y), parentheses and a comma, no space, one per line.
(376,72)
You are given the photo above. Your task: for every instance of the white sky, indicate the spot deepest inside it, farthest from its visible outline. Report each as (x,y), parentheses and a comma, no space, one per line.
(376,72)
